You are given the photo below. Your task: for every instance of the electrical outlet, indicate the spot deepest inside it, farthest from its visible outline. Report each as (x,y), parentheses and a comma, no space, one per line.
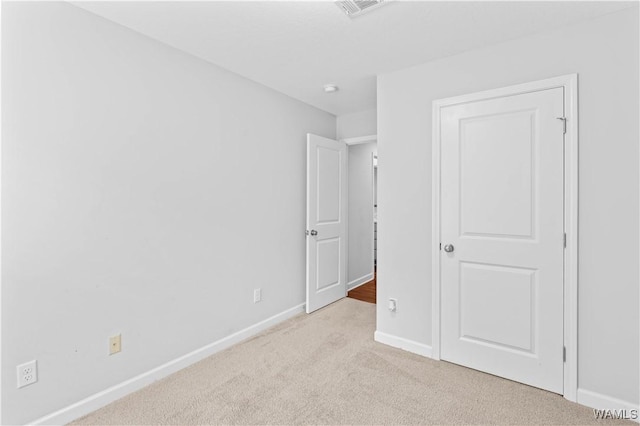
(257,295)
(115,344)
(393,305)
(27,373)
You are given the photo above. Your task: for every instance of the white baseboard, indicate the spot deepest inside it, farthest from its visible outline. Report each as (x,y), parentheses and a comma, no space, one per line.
(107,396)
(359,281)
(605,402)
(402,343)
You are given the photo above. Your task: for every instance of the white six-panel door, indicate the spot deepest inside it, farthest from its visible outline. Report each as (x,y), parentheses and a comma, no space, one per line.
(501,223)
(326,221)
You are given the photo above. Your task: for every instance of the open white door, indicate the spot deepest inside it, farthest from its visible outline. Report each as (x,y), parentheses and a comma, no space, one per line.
(326,221)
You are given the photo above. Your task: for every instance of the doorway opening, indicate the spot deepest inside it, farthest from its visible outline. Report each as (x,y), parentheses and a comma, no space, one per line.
(341,210)
(363,210)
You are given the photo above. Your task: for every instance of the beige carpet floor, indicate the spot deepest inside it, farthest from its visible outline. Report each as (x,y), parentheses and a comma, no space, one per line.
(325,368)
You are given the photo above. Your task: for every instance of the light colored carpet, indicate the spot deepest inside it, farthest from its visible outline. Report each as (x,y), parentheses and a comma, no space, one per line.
(325,368)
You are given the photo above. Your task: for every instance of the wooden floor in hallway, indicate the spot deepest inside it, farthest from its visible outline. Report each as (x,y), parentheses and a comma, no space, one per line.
(366,292)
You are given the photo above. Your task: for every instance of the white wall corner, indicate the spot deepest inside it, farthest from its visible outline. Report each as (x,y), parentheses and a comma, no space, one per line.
(604,402)
(107,396)
(402,343)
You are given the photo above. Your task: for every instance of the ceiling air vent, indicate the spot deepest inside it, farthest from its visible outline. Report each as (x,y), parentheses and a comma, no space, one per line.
(353,8)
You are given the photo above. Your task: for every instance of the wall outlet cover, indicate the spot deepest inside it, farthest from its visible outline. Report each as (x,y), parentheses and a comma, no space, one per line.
(27,373)
(115,344)
(393,305)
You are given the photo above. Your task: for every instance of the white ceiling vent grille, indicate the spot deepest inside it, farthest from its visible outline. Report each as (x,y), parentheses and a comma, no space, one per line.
(353,8)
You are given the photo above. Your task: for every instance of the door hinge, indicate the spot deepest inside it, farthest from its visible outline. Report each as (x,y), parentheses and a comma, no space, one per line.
(307,233)
(564,240)
(564,124)
(564,354)
(440,246)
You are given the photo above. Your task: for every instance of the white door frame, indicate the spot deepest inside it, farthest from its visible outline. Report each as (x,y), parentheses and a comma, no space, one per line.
(570,85)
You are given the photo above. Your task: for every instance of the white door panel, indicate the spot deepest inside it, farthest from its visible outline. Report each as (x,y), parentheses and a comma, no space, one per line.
(328,184)
(491,203)
(502,211)
(326,221)
(482,314)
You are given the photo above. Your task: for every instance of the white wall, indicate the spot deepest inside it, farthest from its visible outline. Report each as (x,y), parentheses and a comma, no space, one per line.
(356,124)
(360,213)
(145,192)
(604,52)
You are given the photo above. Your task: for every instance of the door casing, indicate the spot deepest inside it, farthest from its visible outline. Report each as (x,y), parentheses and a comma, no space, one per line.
(570,85)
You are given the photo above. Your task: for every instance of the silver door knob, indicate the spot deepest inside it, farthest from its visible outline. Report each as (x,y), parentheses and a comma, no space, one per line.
(448,248)
(314,232)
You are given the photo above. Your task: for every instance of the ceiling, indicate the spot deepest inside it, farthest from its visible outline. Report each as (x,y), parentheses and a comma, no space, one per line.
(296,47)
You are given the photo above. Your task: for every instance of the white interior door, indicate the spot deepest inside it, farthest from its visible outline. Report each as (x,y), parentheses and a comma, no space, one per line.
(502,236)
(326,221)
